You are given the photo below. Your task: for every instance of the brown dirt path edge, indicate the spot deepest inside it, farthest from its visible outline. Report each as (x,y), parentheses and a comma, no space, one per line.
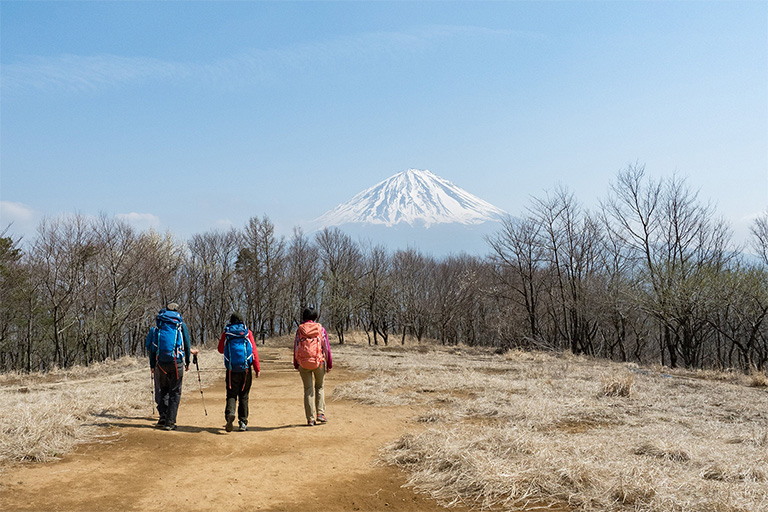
(280,464)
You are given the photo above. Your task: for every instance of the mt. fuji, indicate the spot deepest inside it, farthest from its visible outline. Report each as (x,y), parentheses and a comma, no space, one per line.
(412,197)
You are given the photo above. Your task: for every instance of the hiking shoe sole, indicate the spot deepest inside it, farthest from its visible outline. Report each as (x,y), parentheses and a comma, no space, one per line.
(230,421)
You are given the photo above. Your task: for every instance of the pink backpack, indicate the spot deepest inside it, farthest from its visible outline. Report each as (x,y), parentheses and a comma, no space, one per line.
(309,347)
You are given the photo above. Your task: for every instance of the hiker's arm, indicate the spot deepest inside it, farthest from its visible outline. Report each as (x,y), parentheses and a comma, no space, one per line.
(295,344)
(221,342)
(327,349)
(187,344)
(150,347)
(256,366)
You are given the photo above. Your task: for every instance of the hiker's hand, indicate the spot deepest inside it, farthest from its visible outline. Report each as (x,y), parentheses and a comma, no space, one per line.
(186,367)
(194,351)
(257,374)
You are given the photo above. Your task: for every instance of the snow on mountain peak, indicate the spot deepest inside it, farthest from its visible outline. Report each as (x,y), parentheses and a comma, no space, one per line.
(410,197)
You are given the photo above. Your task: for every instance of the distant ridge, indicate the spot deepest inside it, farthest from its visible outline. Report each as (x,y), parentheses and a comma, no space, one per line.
(412,197)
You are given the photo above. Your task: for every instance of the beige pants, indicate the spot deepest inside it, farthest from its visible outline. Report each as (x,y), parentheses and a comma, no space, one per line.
(314,393)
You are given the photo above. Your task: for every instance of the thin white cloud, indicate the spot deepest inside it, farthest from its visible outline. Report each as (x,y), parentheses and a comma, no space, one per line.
(83,72)
(77,72)
(750,218)
(10,212)
(224,224)
(141,221)
(18,218)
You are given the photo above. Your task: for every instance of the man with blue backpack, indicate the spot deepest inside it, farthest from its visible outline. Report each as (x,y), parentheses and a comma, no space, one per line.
(240,356)
(168,344)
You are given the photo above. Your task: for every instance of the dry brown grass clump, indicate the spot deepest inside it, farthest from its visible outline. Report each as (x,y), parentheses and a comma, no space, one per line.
(660,450)
(618,385)
(509,430)
(758,380)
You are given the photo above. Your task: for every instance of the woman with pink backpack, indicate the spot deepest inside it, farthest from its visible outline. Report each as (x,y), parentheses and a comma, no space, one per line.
(312,358)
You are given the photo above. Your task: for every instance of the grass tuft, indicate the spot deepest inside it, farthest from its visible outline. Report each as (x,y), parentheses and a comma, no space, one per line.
(662,451)
(758,380)
(617,385)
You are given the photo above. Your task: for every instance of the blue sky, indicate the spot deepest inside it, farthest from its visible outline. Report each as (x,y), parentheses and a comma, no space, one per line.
(193,116)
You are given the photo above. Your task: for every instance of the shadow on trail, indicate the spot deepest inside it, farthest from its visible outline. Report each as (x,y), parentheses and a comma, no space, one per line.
(269,429)
(179,428)
(113,416)
(198,430)
(150,425)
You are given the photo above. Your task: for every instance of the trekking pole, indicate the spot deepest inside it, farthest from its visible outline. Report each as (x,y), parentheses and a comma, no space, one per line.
(194,360)
(152,379)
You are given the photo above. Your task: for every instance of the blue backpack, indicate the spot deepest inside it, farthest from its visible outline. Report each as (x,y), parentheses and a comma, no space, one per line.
(238,352)
(169,342)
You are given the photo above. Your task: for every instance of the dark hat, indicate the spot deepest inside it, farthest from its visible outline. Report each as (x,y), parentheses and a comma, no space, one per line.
(236,318)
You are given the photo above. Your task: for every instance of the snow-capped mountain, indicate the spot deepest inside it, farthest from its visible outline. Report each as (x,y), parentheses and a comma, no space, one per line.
(413,197)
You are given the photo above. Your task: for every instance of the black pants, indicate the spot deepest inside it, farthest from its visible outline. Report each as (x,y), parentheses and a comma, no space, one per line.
(238,388)
(168,378)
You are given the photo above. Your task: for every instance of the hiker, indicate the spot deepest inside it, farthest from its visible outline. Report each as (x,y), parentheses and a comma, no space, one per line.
(168,344)
(240,355)
(312,358)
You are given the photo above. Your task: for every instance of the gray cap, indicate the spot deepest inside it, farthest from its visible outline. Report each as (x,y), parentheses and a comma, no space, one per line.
(172,307)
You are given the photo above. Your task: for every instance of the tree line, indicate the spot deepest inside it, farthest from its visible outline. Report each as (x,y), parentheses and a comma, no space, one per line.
(650,276)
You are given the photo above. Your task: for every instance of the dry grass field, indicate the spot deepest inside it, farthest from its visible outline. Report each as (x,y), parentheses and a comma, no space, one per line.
(489,431)
(521,429)
(43,416)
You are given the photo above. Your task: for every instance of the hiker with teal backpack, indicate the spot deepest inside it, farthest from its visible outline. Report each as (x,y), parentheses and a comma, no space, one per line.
(168,344)
(312,358)
(242,362)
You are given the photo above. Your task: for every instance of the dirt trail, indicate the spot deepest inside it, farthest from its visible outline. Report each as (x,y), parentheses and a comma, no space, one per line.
(280,464)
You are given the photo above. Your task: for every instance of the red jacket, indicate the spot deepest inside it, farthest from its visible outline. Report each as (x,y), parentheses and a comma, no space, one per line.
(253,344)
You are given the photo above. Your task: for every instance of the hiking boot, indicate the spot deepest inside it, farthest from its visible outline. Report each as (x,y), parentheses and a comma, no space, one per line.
(230,421)
(310,423)
(321,418)
(243,427)
(160,424)
(170,426)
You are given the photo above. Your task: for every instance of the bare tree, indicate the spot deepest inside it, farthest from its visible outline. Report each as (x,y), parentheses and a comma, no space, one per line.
(376,292)
(676,238)
(123,296)
(760,237)
(517,261)
(61,255)
(212,291)
(303,269)
(572,242)
(340,259)
(451,292)
(410,277)
(260,265)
